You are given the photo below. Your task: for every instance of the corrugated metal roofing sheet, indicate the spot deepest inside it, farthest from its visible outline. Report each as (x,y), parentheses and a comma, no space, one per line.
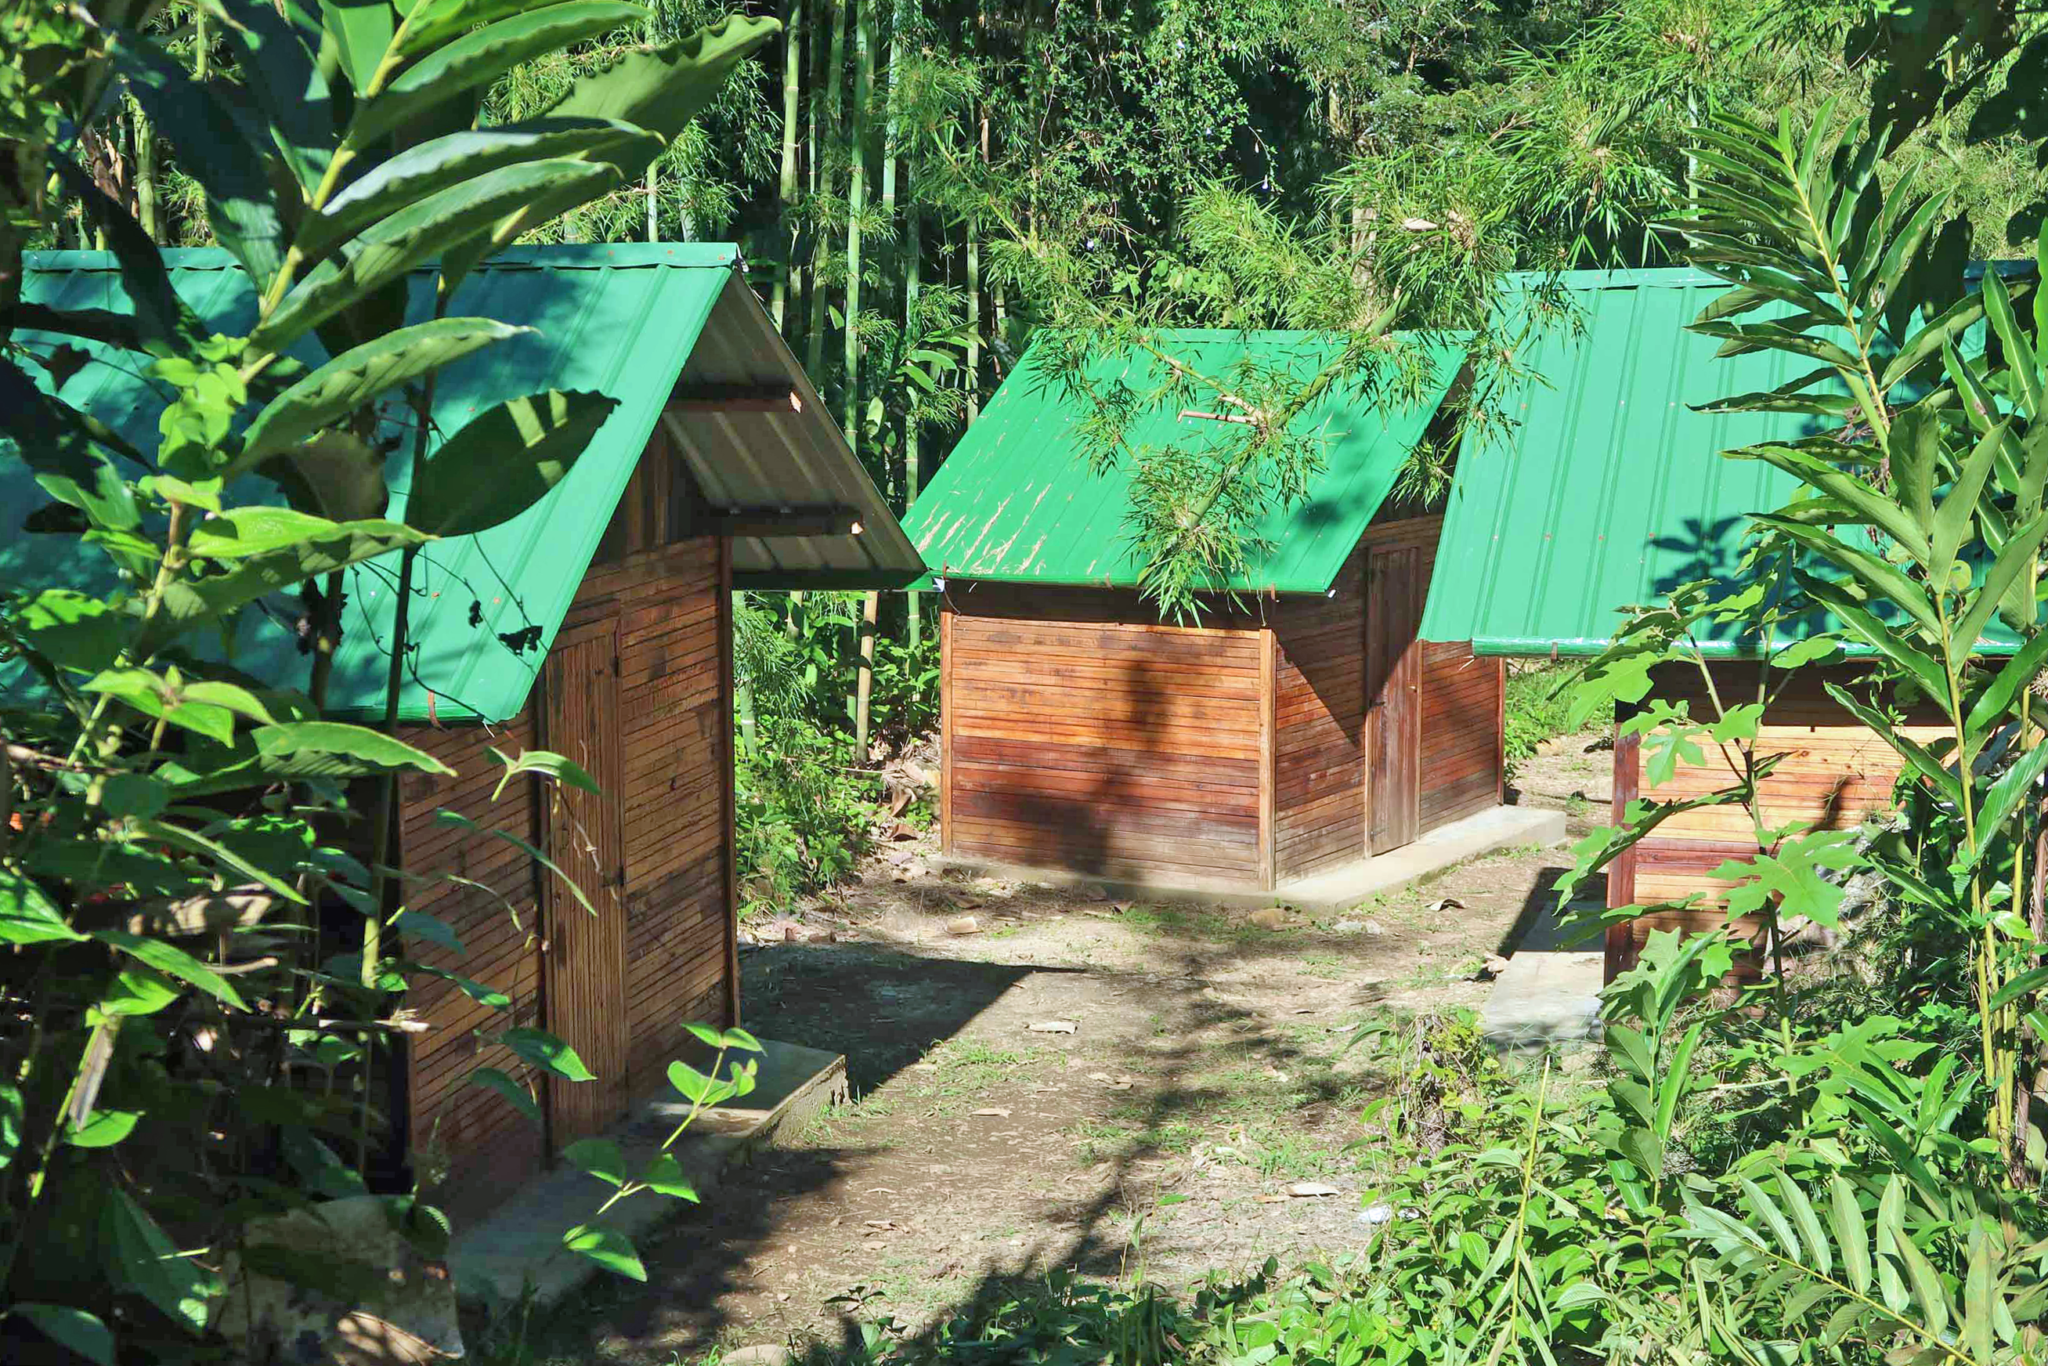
(621,320)
(1610,490)
(1019,500)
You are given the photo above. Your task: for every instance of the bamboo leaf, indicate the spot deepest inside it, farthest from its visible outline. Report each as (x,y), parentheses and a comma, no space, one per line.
(1850,1236)
(1928,1290)
(462,822)
(1773,1217)
(1978,1316)
(1922,760)
(1808,1222)
(2003,799)
(1868,504)
(1958,318)
(138,1256)
(1915,442)
(1958,510)
(368,748)
(2015,676)
(75,1329)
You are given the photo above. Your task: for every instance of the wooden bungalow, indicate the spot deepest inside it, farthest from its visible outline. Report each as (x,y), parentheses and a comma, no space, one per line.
(1298,725)
(598,625)
(1609,493)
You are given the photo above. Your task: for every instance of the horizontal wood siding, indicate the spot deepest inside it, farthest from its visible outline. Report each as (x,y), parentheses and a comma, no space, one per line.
(675,720)
(1319,719)
(1084,734)
(1835,774)
(485,1145)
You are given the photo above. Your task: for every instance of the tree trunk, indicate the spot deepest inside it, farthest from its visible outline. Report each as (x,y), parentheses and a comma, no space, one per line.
(743,691)
(856,205)
(785,186)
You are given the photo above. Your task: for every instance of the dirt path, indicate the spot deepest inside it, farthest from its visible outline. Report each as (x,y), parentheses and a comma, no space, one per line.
(1212,1057)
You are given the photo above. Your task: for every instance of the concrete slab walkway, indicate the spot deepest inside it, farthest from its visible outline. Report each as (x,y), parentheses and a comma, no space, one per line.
(519,1245)
(1496,828)
(1548,1000)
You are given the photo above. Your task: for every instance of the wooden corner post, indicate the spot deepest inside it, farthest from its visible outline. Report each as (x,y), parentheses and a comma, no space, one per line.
(1269,670)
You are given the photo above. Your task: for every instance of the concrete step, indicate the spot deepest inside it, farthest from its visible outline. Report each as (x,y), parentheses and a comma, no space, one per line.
(518,1247)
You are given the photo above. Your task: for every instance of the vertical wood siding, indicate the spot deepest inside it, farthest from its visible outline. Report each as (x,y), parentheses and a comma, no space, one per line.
(657,861)
(1835,774)
(489,1147)
(1084,734)
(1461,732)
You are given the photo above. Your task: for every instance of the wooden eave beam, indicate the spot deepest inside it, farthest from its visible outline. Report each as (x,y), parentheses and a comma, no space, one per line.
(736,398)
(812,519)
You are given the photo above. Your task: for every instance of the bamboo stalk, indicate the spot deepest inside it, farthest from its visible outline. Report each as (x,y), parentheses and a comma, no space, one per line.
(856,205)
(785,186)
(835,71)
(864,675)
(144,133)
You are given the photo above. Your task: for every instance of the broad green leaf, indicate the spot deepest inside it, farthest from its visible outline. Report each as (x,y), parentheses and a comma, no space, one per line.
(11,1114)
(1979,1276)
(1851,1238)
(368,748)
(163,320)
(1915,442)
(742,1040)
(1867,502)
(483,55)
(503,461)
(2003,800)
(190,603)
(457,158)
(212,148)
(1773,1217)
(2026,983)
(1928,1291)
(60,442)
(1807,1221)
(273,46)
(1880,580)
(2013,677)
(83,1333)
(358,376)
(1954,321)
(191,841)
(440,223)
(521,1100)
(27,914)
(137,991)
(1959,509)
(608,1247)
(431,928)
(548,1053)
(362,30)
(1925,670)
(600,1157)
(173,961)
(2015,558)
(1917,756)
(481,993)
(139,1257)
(104,1128)
(562,769)
(665,1176)
(663,88)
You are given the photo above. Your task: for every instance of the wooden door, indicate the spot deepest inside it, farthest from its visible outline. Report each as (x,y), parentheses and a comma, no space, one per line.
(584,962)
(1394,580)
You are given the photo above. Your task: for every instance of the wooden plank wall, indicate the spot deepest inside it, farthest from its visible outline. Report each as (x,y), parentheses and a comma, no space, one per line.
(667,603)
(1082,733)
(1319,722)
(1835,774)
(672,605)
(487,1146)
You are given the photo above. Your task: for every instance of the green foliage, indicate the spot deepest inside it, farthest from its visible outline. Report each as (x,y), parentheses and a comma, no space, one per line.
(1536,710)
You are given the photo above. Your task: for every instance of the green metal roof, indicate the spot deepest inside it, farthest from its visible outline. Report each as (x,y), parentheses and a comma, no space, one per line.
(1609,491)
(629,320)
(1018,499)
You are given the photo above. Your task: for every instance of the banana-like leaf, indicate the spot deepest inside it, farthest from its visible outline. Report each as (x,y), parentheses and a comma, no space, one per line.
(542,208)
(1958,511)
(1926,670)
(1915,443)
(503,462)
(1870,505)
(356,377)
(2033,469)
(484,55)
(434,22)
(1917,756)
(273,44)
(2015,676)
(1904,246)
(189,603)
(430,167)
(387,250)
(1958,318)
(661,89)
(212,146)
(366,748)
(2015,558)
(1882,580)
(2019,352)
(2005,796)
(1777,335)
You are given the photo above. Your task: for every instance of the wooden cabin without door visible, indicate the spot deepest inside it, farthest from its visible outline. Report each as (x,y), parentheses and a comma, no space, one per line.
(1299,724)
(1610,493)
(597,625)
